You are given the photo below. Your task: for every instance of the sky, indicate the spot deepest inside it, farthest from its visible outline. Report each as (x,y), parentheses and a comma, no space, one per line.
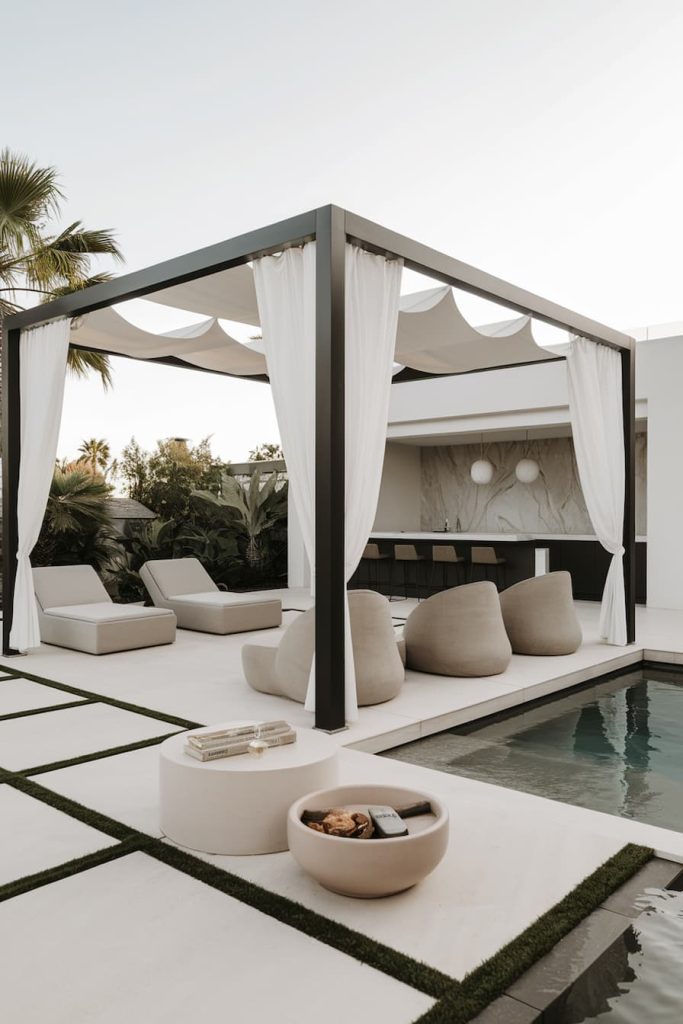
(539,141)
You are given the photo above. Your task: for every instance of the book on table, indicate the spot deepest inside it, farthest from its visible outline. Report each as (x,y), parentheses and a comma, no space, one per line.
(240,745)
(219,737)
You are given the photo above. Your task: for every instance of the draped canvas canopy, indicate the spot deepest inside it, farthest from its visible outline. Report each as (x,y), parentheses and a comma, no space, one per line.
(433,336)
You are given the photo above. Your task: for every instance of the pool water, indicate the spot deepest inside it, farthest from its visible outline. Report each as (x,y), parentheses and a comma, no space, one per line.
(639,979)
(616,746)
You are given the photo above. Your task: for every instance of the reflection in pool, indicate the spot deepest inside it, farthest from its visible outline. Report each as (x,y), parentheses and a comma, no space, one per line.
(639,980)
(615,747)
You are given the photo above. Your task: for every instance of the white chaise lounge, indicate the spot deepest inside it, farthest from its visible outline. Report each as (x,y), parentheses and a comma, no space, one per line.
(184,586)
(75,611)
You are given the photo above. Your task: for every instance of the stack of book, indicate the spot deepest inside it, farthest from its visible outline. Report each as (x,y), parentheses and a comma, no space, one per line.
(208,746)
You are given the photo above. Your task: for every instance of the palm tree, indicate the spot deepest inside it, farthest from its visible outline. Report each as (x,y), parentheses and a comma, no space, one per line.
(97,453)
(38,262)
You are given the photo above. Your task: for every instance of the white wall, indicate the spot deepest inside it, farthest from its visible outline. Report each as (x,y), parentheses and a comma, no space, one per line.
(660,376)
(398,507)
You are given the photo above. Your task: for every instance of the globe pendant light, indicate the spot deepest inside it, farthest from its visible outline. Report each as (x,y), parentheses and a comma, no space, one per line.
(527,469)
(481,471)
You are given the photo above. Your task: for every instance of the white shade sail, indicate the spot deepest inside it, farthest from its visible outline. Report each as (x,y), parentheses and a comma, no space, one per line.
(433,336)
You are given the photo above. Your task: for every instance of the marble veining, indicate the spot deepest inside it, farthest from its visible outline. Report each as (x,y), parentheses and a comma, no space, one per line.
(554,503)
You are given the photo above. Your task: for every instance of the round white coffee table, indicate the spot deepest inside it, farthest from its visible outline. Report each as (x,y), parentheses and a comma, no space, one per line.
(238,805)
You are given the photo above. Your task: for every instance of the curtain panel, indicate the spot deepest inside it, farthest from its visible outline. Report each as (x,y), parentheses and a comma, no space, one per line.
(595,407)
(285,288)
(42,370)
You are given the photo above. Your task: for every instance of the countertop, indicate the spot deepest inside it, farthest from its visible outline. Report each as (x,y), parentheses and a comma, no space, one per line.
(491,538)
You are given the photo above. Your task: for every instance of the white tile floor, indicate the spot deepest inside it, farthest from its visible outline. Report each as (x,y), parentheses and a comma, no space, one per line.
(135,940)
(492,884)
(59,735)
(24,695)
(36,837)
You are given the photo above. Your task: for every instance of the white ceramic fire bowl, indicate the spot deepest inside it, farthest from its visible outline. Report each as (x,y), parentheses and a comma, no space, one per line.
(368,868)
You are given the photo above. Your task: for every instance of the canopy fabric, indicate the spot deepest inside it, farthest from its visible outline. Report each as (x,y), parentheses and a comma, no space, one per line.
(433,336)
(205,345)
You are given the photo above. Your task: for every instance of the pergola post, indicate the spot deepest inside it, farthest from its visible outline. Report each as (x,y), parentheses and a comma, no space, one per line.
(628,398)
(11,453)
(330,584)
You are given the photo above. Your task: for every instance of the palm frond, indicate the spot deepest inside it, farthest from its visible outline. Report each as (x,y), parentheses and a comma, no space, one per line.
(28,194)
(81,363)
(64,260)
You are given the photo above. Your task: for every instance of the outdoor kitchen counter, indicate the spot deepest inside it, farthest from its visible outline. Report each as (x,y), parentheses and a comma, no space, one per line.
(580,554)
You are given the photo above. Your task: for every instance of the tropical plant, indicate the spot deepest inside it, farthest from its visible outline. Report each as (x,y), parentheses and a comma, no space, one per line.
(97,454)
(40,262)
(76,527)
(255,509)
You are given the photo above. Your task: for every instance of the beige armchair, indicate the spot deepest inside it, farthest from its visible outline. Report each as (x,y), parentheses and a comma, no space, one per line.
(540,617)
(458,632)
(285,670)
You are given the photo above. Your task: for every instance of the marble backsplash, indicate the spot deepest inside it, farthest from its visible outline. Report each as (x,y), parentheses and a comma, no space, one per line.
(554,503)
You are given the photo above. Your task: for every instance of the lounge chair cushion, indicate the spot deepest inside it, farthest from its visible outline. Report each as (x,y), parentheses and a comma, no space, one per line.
(107,611)
(59,585)
(183,586)
(540,617)
(458,632)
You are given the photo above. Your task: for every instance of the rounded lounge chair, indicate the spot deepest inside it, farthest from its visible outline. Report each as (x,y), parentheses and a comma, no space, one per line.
(540,617)
(75,611)
(184,586)
(458,632)
(285,670)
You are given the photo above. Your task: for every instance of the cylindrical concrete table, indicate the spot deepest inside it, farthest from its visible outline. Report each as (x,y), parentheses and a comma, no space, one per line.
(239,804)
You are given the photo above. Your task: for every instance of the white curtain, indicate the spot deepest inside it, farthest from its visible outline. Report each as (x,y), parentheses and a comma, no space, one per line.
(285,287)
(42,369)
(595,406)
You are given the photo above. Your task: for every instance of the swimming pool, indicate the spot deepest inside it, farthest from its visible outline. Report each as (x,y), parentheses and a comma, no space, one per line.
(615,746)
(639,979)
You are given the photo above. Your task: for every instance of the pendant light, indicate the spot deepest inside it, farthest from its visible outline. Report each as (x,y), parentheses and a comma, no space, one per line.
(482,470)
(527,469)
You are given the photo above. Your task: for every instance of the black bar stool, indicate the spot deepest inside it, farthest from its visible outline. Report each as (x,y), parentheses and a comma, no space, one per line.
(404,555)
(488,560)
(444,555)
(372,556)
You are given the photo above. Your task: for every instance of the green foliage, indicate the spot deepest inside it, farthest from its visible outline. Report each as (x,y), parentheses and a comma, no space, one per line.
(76,528)
(165,479)
(267,452)
(255,510)
(35,261)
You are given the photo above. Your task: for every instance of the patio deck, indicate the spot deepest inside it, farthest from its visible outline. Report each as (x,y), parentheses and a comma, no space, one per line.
(138,939)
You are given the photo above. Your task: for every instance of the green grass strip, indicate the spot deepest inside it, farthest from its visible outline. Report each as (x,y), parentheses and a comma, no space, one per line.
(96,756)
(71,867)
(295,915)
(43,711)
(368,951)
(137,709)
(492,978)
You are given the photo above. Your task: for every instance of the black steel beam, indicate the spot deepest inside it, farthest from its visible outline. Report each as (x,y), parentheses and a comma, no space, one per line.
(421,258)
(176,361)
(408,375)
(200,263)
(628,399)
(11,453)
(330,585)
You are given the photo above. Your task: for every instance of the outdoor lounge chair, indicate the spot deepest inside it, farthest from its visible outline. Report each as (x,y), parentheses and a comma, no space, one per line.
(377,655)
(184,586)
(458,632)
(540,617)
(75,611)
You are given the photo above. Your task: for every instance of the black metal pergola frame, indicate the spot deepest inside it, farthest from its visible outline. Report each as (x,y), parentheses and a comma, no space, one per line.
(331,227)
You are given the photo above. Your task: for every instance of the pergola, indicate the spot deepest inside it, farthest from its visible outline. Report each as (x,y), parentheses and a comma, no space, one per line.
(331,228)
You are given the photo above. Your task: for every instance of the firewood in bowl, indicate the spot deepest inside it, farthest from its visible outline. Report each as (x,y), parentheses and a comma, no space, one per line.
(340,822)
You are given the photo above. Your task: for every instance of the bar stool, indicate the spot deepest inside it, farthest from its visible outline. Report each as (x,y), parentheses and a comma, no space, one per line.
(488,558)
(372,556)
(444,555)
(403,555)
